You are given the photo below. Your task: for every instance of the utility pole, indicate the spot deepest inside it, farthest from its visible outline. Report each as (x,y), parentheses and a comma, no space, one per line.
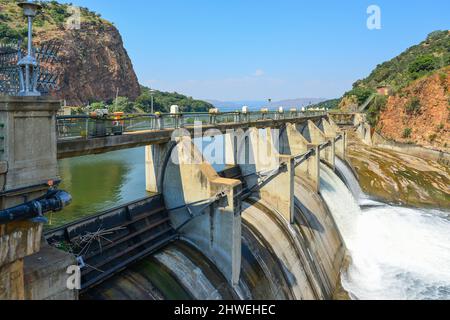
(152,92)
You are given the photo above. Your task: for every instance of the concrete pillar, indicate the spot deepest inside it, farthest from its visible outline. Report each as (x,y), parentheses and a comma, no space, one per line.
(297,145)
(332,130)
(313,167)
(278,192)
(319,137)
(230,141)
(28,165)
(155,157)
(189,185)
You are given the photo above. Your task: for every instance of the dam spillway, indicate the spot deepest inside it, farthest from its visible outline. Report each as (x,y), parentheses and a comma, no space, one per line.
(279,263)
(396,252)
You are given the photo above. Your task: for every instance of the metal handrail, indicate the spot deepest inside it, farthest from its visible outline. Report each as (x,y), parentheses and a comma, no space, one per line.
(86,126)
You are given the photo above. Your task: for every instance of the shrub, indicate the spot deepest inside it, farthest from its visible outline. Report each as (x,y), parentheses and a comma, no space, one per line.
(413,105)
(422,65)
(407,133)
(378,105)
(361,93)
(432,137)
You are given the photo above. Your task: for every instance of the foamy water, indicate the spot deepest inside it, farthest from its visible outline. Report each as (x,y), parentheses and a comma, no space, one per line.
(397,253)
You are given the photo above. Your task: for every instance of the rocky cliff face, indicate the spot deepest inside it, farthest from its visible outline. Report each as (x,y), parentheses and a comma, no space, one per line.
(420,113)
(93,64)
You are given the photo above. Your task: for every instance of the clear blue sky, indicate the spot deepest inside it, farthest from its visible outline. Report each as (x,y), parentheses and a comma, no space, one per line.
(258,49)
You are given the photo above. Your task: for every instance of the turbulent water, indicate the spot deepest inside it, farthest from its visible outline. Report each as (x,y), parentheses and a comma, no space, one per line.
(397,253)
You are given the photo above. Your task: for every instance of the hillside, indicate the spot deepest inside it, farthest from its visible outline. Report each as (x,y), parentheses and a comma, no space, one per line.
(163,100)
(420,114)
(93,62)
(417,61)
(417,107)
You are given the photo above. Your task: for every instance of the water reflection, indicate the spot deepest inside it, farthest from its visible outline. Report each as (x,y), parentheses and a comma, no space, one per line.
(101,182)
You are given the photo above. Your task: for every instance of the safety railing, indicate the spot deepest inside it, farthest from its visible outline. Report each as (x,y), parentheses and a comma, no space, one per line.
(86,127)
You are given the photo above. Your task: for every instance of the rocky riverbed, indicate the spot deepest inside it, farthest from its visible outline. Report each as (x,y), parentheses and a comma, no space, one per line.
(398,178)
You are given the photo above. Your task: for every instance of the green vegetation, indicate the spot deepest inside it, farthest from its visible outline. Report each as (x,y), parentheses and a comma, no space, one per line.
(161,103)
(407,133)
(361,94)
(418,61)
(329,104)
(413,105)
(53,16)
(163,100)
(378,105)
(422,65)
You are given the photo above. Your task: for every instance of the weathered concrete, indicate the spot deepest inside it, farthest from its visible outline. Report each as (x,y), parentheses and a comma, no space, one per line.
(286,251)
(293,143)
(216,230)
(321,235)
(156,157)
(28,164)
(332,130)
(12,281)
(413,150)
(264,159)
(319,137)
(28,150)
(18,240)
(45,275)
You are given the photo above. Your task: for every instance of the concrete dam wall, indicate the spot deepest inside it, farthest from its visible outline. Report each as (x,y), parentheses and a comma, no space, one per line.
(258,229)
(279,261)
(276,241)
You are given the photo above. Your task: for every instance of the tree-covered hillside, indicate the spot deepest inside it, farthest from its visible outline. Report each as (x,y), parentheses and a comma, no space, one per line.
(163,100)
(417,61)
(161,103)
(420,61)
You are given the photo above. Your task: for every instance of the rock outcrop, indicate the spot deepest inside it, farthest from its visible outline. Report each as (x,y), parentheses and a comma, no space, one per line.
(93,64)
(428,122)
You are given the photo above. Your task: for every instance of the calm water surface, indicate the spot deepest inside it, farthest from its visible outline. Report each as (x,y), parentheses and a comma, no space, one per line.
(101,182)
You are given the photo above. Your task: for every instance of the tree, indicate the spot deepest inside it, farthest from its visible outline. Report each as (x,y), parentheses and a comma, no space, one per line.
(422,65)
(122,104)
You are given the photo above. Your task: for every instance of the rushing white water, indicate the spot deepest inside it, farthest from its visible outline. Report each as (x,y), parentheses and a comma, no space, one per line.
(353,184)
(397,253)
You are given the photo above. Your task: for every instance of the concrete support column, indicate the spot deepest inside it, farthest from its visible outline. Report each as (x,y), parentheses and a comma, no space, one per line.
(319,137)
(278,191)
(213,224)
(28,162)
(296,145)
(332,130)
(341,145)
(155,157)
(230,145)
(313,167)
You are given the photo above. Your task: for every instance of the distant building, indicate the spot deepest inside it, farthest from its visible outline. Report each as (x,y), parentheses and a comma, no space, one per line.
(384,90)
